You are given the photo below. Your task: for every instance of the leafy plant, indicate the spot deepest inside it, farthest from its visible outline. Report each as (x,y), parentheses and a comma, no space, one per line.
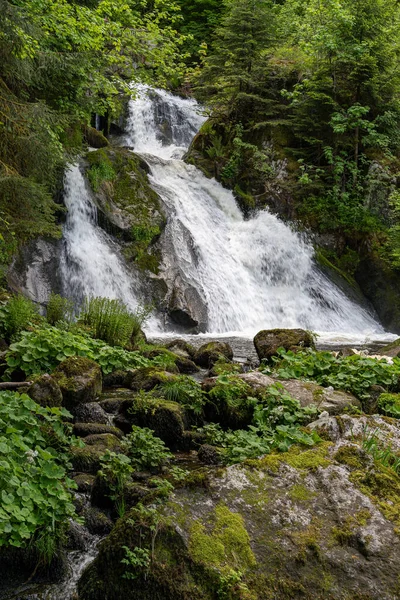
(355,374)
(232,390)
(385,455)
(42,350)
(34,488)
(137,561)
(59,309)
(389,404)
(145,450)
(116,469)
(17,315)
(277,407)
(185,391)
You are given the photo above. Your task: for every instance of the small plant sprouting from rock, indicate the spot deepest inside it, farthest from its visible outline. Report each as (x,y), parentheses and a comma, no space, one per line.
(185,391)
(136,561)
(145,450)
(116,469)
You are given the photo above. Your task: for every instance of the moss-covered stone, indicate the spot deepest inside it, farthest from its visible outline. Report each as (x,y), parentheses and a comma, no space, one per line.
(46,391)
(128,204)
(79,379)
(267,342)
(85,429)
(210,353)
(147,378)
(95,138)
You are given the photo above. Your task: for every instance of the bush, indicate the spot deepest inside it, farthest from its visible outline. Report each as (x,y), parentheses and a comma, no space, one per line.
(112,321)
(42,350)
(17,315)
(35,490)
(59,309)
(389,404)
(355,374)
(145,450)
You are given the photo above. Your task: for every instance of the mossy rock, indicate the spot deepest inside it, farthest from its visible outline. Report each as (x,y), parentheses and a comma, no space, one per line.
(178,361)
(267,342)
(301,525)
(87,459)
(127,203)
(85,429)
(46,391)
(95,138)
(97,521)
(84,481)
(182,348)
(167,419)
(147,378)
(80,381)
(392,349)
(208,354)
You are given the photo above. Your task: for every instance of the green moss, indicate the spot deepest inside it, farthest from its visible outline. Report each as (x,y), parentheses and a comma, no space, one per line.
(382,485)
(301,493)
(345,534)
(307,542)
(344,268)
(351,456)
(297,457)
(225,545)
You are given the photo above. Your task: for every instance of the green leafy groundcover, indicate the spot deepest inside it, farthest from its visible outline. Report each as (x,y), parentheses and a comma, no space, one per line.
(42,350)
(355,374)
(35,499)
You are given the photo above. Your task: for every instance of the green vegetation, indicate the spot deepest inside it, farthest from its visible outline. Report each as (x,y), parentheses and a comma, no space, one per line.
(16,315)
(184,390)
(59,309)
(112,321)
(116,470)
(145,450)
(35,490)
(40,351)
(355,374)
(389,404)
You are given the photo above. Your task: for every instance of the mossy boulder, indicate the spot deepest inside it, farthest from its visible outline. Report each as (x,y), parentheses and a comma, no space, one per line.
(309,524)
(87,459)
(392,349)
(91,412)
(85,429)
(268,341)
(177,360)
(147,378)
(128,206)
(210,353)
(79,379)
(95,138)
(181,347)
(46,391)
(169,420)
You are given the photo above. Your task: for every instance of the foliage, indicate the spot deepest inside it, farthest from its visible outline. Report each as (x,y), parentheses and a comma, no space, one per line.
(112,321)
(59,309)
(17,315)
(233,390)
(137,561)
(385,455)
(116,469)
(184,390)
(145,450)
(42,350)
(389,404)
(35,490)
(277,407)
(355,374)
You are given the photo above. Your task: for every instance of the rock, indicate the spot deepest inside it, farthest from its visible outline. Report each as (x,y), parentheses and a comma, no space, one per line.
(79,379)
(97,522)
(46,391)
(77,537)
(91,412)
(148,378)
(209,353)
(168,420)
(103,496)
(181,348)
(326,399)
(392,349)
(268,341)
(186,307)
(87,459)
(95,138)
(312,524)
(85,429)
(84,481)
(118,379)
(209,455)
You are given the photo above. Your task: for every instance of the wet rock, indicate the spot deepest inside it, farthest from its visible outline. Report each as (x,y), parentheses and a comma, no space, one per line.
(310,523)
(185,305)
(209,455)
(88,429)
(97,522)
(118,379)
(181,348)
(79,379)
(77,537)
(267,342)
(95,138)
(209,353)
(392,349)
(147,378)
(46,391)
(84,481)
(91,412)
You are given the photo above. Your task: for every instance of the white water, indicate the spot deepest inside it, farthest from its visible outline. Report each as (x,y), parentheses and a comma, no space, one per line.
(253,274)
(91,264)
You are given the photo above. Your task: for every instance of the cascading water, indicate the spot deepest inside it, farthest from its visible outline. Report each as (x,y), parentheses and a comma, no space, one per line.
(253,274)
(90,262)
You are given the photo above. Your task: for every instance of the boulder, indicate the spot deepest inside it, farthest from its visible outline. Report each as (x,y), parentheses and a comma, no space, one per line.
(392,349)
(209,353)
(182,348)
(91,412)
(147,378)
(326,399)
(268,341)
(97,522)
(310,524)
(95,138)
(79,379)
(118,379)
(209,455)
(46,391)
(85,429)
(87,459)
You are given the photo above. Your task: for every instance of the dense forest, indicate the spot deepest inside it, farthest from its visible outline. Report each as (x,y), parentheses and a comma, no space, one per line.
(272,477)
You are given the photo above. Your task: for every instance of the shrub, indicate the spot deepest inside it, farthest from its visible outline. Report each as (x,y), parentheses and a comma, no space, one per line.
(277,407)
(42,350)
(112,321)
(116,469)
(59,309)
(355,374)
(35,490)
(16,315)
(145,450)
(389,404)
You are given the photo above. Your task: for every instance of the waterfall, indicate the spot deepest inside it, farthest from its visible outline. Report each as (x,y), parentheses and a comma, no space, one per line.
(253,274)
(91,264)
